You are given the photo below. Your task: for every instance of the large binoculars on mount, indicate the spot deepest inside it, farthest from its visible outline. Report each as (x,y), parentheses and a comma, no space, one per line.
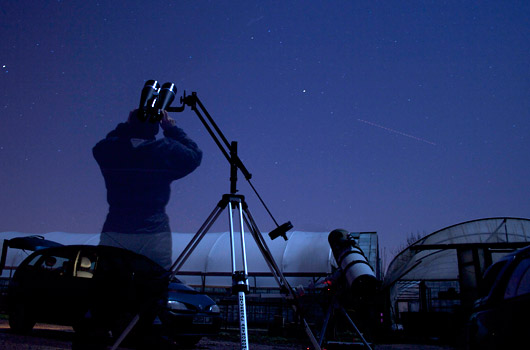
(154,99)
(358,273)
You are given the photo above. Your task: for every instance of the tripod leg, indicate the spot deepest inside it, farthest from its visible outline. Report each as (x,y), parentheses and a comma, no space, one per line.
(325,325)
(267,255)
(243,249)
(277,273)
(184,255)
(127,330)
(354,327)
(243,340)
(239,278)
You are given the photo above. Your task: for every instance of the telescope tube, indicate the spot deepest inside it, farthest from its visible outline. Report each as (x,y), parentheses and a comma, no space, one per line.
(359,275)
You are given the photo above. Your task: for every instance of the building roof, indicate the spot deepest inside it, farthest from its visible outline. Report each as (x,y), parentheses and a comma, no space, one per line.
(433,257)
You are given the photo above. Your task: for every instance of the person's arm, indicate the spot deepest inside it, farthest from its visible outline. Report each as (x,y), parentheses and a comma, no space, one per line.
(183,154)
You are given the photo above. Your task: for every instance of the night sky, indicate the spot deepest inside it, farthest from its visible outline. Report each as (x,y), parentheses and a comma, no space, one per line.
(396,117)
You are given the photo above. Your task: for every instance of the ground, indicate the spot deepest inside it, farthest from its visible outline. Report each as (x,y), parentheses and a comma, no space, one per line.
(49,337)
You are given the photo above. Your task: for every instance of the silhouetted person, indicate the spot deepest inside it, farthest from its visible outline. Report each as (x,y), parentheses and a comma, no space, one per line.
(138,170)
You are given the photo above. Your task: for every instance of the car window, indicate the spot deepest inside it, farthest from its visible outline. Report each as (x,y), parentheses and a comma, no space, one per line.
(35,260)
(85,265)
(122,263)
(57,264)
(519,282)
(490,276)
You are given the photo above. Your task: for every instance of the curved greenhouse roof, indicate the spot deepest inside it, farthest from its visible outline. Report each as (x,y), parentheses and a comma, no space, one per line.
(434,257)
(302,258)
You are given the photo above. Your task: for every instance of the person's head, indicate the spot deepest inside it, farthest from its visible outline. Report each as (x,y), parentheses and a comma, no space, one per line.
(142,129)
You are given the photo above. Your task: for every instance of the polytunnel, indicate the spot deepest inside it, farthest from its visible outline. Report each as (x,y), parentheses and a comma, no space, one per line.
(434,257)
(304,258)
(442,271)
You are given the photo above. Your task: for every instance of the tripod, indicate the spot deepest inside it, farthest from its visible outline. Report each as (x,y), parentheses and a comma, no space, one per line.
(334,307)
(239,277)
(233,201)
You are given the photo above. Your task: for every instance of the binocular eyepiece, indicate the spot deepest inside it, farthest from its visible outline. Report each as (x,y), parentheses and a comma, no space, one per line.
(155,99)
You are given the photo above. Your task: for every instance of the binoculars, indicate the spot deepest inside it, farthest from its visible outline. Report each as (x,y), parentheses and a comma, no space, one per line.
(154,99)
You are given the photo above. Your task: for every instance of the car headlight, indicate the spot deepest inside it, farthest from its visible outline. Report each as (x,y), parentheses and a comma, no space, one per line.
(214,308)
(176,305)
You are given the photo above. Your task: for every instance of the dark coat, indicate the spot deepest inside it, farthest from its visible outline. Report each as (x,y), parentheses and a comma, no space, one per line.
(138,174)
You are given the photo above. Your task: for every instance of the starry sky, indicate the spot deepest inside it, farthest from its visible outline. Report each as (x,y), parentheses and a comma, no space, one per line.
(396,117)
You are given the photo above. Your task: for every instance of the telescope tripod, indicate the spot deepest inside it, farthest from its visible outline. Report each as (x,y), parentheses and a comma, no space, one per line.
(333,308)
(239,277)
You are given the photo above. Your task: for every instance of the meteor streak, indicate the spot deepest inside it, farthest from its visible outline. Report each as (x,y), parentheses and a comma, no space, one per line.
(397,132)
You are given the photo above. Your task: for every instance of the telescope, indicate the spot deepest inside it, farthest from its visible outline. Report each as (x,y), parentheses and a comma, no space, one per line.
(355,272)
(359,275)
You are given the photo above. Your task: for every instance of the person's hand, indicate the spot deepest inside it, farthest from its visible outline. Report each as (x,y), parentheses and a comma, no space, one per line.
(167,121)
(133,114)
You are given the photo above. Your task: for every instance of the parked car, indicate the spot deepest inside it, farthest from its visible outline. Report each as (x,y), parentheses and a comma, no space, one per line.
(188,314)
(72,285)
(500,318)
(28,243)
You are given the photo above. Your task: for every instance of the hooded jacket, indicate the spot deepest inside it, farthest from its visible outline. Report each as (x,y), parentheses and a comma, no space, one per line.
(138,173)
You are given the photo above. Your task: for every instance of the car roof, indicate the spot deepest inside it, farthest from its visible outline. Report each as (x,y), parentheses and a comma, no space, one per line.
(517,253)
